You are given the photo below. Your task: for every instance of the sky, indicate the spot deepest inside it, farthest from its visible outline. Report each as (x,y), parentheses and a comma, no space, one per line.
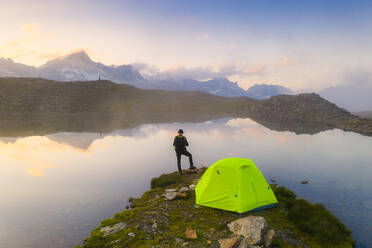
(303,45)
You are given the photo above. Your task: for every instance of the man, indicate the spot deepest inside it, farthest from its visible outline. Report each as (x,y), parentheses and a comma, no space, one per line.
(180,143)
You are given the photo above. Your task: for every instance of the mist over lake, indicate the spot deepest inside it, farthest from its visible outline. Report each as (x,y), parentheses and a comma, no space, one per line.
(56,188)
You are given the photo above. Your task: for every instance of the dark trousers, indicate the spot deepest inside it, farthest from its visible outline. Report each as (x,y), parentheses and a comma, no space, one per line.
(186,153)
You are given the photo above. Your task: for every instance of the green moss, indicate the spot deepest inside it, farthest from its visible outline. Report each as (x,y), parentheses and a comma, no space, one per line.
(165,180)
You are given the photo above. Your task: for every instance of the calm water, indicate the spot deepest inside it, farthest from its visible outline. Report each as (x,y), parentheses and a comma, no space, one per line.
(55,189)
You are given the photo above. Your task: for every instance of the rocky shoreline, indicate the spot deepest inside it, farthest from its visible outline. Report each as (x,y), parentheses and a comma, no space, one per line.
(166,216)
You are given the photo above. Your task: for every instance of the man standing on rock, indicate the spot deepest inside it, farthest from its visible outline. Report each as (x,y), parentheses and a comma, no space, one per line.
(180,143)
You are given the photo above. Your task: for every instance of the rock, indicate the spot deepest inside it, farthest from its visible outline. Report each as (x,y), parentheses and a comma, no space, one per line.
(131,234)
(190,234)
(244,244)
(229,242)
(179,240)
(234,242)
(154,226)
(181,195)
(107,230)
(268,237)
(192,187)
(170,190)
(251,227)
(183,189)
(273,180)
(304,182)
(170,195)
(184,244)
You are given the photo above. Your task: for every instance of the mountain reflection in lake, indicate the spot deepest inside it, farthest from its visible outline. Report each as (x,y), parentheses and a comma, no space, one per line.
(56,188)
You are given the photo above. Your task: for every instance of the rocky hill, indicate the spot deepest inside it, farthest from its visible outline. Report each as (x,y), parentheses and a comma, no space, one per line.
(39,106)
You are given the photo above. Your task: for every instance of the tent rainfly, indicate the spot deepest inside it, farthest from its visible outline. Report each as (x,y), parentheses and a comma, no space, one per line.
(234,184)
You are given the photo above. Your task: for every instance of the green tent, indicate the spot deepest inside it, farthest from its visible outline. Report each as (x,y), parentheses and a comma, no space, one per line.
(234,184)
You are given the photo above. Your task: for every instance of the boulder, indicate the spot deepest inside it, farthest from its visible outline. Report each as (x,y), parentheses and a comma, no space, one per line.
(183,189)
(190,234)
(244,244)
(170,195)
(192,187)
(268,237)
(234,242)
(251,227)
(229,242)
(107,230)
(170,190)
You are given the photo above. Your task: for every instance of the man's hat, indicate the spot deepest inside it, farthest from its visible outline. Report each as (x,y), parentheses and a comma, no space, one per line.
(180,131)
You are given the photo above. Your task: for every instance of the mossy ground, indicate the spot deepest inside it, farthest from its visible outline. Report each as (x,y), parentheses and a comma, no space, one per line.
(297,222)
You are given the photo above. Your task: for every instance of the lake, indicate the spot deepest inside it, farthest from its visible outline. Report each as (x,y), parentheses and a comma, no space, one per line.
(56,188)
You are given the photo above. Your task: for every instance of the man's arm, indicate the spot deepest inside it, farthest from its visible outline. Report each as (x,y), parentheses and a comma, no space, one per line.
(186,143)
(174,141)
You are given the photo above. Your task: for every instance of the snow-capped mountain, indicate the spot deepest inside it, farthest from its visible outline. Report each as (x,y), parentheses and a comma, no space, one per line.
(264,91)
(78,66)
(217,86)
(8,68)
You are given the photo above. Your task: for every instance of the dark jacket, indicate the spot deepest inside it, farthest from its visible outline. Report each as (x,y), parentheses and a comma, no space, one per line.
(180,142)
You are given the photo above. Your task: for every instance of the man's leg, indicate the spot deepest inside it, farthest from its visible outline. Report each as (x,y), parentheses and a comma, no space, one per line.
(186,153)
(178,154)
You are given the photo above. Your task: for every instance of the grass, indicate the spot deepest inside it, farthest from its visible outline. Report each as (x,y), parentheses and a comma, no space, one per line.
(298,221)
(318,222)
(165,180)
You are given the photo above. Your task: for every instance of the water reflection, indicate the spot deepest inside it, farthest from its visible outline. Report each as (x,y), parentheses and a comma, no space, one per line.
(56,188)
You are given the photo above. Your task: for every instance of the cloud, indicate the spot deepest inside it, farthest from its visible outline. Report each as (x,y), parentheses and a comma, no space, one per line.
(233,45)
(29,44)
(285,61)
(30,28)
(202,72)
(145,68)
(203,37)
(353,93)
(258,69)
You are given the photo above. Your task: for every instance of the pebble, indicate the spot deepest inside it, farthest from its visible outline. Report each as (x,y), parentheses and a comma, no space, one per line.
(179,240)
(190,234)
(155,225)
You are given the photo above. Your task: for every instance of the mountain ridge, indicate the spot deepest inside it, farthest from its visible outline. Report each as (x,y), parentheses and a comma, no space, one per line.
(78,66)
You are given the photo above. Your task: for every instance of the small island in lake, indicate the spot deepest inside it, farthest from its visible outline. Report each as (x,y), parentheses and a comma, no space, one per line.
(166,216)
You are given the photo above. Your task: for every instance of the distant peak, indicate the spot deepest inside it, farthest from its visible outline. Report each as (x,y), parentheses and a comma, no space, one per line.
(76,55)
(9,60)
(80,53)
